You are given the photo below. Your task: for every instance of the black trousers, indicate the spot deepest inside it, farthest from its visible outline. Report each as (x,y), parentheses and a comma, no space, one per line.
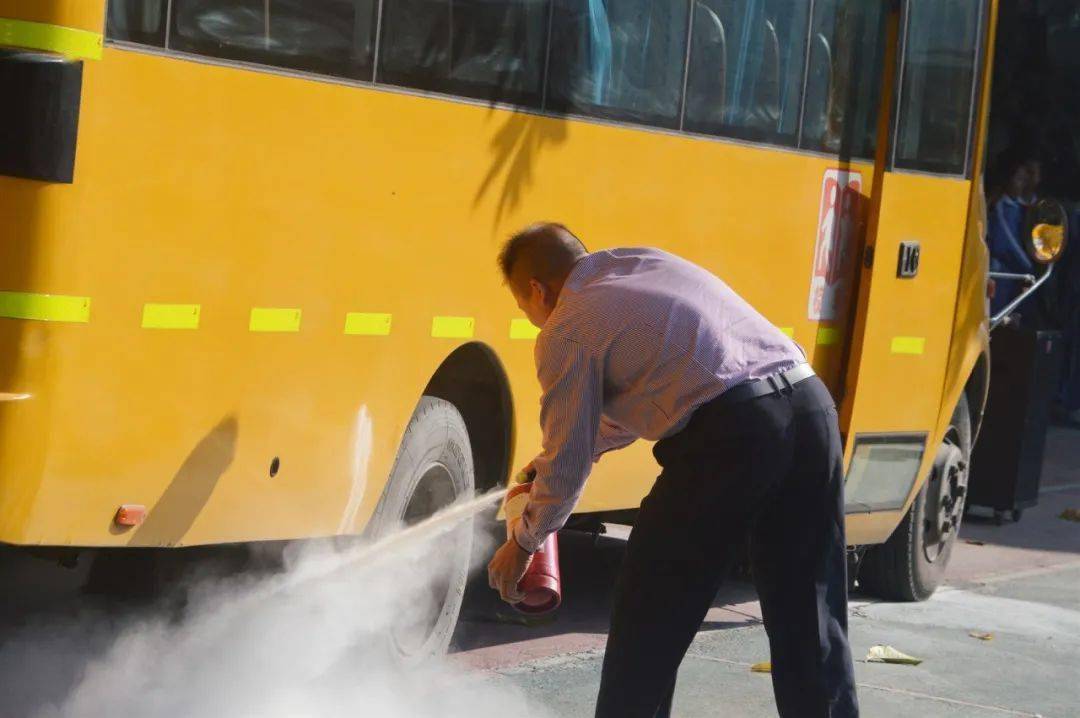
(768,469)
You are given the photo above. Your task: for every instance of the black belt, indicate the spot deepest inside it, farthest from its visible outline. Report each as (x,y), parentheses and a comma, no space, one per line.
(778,383)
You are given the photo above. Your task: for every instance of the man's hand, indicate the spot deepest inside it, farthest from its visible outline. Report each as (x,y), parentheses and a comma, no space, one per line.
(506,570)
(529,471)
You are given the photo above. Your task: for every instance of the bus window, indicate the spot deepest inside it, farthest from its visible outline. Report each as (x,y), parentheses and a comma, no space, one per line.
(936,89)
(843,83)
(488,49)
(621,59)
(330,37)
(746,68)
(141,21)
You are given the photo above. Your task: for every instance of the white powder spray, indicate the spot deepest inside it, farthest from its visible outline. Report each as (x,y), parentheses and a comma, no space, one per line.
(306,642)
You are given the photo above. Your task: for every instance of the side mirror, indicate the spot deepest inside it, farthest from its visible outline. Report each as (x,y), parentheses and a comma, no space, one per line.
(1049,230)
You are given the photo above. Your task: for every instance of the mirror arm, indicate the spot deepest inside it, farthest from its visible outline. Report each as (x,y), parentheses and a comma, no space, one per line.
(1029,278)
(1001,316)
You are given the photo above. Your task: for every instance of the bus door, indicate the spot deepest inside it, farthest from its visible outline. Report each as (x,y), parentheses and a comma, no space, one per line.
(911,261)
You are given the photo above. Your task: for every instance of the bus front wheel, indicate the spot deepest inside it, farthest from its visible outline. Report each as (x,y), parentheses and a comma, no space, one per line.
(911,564)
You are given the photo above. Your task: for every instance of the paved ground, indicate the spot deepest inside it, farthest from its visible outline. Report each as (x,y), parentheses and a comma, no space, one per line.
(1019,582)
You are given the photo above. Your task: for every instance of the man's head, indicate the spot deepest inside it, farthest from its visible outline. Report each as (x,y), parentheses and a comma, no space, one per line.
(535,262)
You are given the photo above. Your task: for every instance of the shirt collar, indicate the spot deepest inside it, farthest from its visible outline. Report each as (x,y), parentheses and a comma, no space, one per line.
(582,270)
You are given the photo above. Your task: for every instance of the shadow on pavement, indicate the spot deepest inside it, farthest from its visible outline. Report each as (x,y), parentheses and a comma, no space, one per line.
(589,568)
(1041,535)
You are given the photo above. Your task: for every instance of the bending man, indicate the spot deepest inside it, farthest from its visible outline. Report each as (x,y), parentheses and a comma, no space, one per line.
(640,343)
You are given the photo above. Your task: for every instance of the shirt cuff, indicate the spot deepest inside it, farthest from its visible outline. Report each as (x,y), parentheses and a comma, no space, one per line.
(525,542)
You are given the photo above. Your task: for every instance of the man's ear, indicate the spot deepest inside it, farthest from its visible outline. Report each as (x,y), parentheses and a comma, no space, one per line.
(535,285)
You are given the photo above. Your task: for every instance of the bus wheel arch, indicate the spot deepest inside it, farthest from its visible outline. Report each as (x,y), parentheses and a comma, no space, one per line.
(473,379)
(977,391)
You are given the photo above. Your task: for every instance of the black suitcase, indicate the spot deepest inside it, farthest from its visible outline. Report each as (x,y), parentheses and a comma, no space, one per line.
(1007,461)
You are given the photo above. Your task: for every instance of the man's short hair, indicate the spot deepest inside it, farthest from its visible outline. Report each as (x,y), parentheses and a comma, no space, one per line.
(547,250)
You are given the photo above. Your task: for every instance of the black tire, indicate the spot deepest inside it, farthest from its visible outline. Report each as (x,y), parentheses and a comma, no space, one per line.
(434,468)
(911,564)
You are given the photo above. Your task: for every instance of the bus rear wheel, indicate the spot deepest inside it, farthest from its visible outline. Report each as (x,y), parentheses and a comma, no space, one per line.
(911,564)
(433,469)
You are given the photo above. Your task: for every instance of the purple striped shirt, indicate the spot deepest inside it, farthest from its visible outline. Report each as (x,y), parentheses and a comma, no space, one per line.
(638,339)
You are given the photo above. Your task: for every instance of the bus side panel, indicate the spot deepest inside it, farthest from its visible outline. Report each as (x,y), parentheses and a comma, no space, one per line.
(231,190)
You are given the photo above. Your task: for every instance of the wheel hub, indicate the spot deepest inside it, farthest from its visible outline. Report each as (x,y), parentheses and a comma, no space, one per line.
(944,499)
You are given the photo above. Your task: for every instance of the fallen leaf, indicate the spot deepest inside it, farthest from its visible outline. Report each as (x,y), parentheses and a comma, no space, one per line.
(763,667)
(975,542)
(1070,515)
(981,635)
(888,654)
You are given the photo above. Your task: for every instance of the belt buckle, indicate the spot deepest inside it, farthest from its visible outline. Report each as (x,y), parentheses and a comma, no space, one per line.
(780,384)
(771,379)
(788,386)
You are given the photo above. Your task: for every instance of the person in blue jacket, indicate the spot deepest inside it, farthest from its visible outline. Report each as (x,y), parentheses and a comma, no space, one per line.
(1007,225)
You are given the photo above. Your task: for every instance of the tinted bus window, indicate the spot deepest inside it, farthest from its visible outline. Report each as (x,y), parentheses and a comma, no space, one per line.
(621,59)
(746,68)
(935,93)
(489,49)
(141,21)
(330,37)
(843,82)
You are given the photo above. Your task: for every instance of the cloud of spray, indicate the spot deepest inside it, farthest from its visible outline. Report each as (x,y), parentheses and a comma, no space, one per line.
(308,641)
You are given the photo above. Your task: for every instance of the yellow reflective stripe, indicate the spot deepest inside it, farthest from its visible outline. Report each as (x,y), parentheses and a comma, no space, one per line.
(44,307)
(789,331)
(827,336)
(367,324)
(523,329)
(170,316)
(908,345)
(452,327)
(265,319)
(69,41)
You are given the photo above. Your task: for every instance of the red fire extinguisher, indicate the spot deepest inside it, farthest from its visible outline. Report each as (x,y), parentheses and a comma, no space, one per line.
(541,583)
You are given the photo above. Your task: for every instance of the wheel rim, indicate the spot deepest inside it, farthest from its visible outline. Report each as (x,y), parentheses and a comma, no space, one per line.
(945,494)
(435,490)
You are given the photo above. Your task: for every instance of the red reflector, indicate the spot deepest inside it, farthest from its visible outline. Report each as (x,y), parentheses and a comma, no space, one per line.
(130,515)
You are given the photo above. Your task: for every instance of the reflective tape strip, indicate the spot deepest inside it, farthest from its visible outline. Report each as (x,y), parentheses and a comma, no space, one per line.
(81,44)
(274,320)
(789,331)
(366,324)
(908,345)
(523,329)
(452,327)
(827,336)
(170,316)
(44,307)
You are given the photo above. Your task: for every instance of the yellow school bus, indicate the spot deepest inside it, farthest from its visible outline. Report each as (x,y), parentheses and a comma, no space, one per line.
(247,280)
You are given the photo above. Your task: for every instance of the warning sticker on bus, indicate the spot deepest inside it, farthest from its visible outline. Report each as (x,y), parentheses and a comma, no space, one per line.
(838,220)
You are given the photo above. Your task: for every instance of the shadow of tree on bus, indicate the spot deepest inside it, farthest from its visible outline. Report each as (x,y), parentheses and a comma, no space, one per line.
(515,147)
(495,53)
